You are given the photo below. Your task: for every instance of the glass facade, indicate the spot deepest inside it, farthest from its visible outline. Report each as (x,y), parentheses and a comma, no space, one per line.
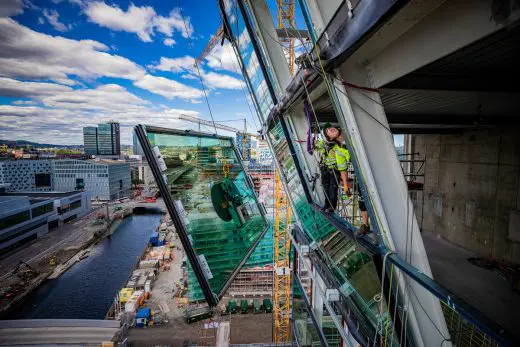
(349,270)
(105,139)
(14,219)
(42,209)
(223,218)
(90,140)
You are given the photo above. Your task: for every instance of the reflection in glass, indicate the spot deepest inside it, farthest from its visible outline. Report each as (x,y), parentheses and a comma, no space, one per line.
(304,328)
(223,219)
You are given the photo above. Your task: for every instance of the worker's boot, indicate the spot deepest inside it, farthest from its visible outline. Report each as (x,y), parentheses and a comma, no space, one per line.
(364,229)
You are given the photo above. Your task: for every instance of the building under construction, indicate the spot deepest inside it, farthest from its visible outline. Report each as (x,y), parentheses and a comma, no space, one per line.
(389,265)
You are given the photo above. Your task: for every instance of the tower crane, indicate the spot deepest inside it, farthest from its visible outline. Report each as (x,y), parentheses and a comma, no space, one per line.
(286,22)
(219,36)
(282,211)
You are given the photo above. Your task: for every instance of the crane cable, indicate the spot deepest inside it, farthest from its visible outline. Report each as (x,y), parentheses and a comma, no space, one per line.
(190,43)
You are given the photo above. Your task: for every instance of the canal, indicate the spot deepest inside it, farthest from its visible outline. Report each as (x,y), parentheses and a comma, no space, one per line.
(87,290)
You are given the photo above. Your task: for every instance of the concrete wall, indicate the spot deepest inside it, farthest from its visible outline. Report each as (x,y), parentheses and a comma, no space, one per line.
(471,188)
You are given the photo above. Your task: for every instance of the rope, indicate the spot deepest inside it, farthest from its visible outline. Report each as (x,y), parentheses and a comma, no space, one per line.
(190,43)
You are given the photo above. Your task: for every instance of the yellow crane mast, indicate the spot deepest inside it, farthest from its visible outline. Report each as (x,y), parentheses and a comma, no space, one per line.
(286,21)
(282,275)
(282,211)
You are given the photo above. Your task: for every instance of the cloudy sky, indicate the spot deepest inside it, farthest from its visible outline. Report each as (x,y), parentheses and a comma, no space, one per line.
(66,64)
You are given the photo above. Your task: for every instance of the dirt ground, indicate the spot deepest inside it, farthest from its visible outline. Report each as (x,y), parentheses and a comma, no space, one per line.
(245,328)
(163,288)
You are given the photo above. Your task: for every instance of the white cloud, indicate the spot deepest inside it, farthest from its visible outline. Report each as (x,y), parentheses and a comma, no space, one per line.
(142,21)
(107,97)
(218,80)
(169,42)
(17,111)
(138,20)
(11,7)
(168,88)
(212,80)
(53,19)
(222,58)
(24,102)
(175,64)
(18,89)
(174,22)
(28,54)
(62,116)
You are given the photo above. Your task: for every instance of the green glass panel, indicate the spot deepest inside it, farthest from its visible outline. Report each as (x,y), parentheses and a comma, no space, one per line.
(304,329)
(223,218)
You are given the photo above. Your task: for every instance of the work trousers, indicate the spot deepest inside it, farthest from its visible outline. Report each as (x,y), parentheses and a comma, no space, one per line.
(329,181)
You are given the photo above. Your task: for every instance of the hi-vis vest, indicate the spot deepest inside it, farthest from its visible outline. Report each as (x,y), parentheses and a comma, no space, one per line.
(342,157)
(336,158)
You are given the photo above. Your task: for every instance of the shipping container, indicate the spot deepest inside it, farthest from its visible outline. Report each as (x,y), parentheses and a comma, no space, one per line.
(125,294)
(143,316)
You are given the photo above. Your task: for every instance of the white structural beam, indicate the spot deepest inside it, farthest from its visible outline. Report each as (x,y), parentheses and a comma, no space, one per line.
(364,119)
(449,27)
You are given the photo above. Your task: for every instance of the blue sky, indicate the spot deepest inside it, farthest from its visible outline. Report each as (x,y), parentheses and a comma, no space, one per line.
(65,64)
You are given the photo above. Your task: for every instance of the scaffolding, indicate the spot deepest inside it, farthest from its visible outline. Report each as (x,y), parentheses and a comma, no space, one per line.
(252,282)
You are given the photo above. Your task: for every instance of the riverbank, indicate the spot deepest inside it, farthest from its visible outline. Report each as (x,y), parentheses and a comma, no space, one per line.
(86,289)
(156,279)
(75,246)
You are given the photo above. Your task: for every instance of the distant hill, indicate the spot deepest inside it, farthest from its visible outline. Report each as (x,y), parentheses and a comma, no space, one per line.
(23,143)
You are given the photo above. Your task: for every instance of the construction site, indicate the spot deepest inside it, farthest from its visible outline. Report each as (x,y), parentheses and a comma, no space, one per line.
(339,237)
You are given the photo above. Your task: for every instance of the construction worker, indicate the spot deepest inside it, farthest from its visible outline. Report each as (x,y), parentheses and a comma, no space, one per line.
(342,156)
(329,174)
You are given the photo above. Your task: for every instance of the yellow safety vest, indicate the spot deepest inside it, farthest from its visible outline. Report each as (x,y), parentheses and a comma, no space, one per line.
(328,158)
(342,157)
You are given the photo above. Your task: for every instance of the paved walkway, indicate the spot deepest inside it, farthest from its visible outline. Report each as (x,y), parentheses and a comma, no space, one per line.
(483,289)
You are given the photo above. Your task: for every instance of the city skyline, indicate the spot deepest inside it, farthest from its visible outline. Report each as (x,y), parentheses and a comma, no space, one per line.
(74,64)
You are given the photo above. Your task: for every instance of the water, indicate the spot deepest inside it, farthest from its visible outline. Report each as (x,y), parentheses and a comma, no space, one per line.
(87,290)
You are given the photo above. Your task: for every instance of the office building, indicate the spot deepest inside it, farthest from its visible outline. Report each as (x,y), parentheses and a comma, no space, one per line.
(103,140)
(90,140)
(109,139)
(26,216)
(23,219)
(26,175)
(104,179)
